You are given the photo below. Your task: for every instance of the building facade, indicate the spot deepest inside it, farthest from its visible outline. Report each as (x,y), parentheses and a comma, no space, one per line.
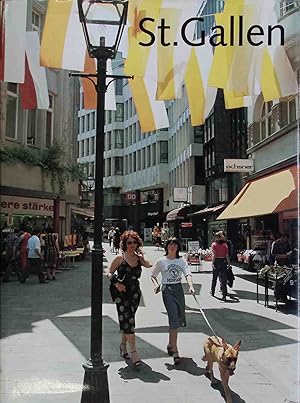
(273,144)
(28,193)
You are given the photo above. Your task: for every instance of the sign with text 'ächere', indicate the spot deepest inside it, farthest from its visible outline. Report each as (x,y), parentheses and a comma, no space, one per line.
(238,165)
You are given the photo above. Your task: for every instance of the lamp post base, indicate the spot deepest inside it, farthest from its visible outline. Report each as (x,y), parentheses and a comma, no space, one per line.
(95,383)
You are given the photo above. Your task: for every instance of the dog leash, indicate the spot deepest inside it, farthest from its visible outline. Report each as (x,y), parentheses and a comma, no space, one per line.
(204,316)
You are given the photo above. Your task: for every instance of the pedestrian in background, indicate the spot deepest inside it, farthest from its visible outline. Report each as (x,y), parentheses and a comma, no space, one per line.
(23,245)
(124,273)
(220,259)
(35,255)
(171,267)
(110,235)
(116,240)
(50,250)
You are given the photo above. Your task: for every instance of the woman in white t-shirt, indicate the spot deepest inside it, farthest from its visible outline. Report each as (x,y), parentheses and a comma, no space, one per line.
(171,267)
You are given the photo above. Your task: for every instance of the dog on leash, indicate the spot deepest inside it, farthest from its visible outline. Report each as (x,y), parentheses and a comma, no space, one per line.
(217,350)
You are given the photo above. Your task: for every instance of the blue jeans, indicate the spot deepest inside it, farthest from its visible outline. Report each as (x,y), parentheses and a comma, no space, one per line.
(219,270)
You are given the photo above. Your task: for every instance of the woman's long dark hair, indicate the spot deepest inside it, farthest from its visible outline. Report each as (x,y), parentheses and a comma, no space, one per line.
(130,234)
(174,241)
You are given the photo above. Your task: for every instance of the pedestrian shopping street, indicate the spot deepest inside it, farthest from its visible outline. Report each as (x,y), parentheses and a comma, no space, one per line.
(45,340)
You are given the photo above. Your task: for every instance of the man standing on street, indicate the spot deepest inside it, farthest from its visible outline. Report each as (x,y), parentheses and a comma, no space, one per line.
(34,256)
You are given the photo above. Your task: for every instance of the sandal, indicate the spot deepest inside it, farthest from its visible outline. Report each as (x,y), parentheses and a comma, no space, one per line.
(176,358)
(169,350)
(137,362)
(124,353)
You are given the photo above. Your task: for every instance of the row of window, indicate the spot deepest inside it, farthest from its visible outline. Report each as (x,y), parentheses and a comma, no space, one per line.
(140,159)
(268,124)
(87,122)
(287,6)
(37,122)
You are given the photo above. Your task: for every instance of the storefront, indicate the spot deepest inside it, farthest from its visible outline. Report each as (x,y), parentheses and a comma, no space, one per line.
(269,204)
(17,211)
(144,209)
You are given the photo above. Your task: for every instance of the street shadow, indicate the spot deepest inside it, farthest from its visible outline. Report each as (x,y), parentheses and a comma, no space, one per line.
(243,294)
(144,372)
(187,365)
(255,331)
(77,330)
(197,288)
(233,299)
(24,304)
(235,397)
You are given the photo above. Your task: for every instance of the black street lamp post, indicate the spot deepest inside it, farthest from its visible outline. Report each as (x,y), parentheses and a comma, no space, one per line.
(92,14)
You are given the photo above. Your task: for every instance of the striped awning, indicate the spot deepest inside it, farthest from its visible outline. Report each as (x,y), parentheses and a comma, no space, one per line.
(176,214)
(273,193)
(83,211)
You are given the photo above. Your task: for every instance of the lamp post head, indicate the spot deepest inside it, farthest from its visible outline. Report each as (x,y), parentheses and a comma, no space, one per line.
(103,23)
(90,182)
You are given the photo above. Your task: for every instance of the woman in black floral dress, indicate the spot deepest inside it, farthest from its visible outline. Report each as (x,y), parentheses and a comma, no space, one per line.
(124,272)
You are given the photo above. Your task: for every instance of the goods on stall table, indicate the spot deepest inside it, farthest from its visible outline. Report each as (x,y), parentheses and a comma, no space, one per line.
(205,254)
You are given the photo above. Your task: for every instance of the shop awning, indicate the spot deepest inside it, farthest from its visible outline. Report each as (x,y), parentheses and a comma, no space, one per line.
(208,210)
(83,211)
(175,214)
(274,193)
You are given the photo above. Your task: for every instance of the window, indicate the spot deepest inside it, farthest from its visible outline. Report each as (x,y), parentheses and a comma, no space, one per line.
(143,158)
(286,6)
(87,122)
(126,110)
(138,160)
(92,145)
(148,157)
(163,158)
(118,166)
(93,120)
(12,111)
(83,124)
(34,127)
(119,139)
(134,162)
(199,134)
(266,120)
(92,169)
(130,163)
(119,86)
(126,137)
(36,21)
(130,108)
(31,127)
(108,167)
(134,133)
(138,128)
(87,147)
(119,112)
(109,117)
(109,140)
(82,148)
(130,135)
(292,110)
(49,121)
(154,154)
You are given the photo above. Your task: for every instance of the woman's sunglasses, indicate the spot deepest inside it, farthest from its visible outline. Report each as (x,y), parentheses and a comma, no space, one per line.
(132,243)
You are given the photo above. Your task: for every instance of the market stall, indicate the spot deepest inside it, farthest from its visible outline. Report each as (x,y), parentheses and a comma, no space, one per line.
(283,280)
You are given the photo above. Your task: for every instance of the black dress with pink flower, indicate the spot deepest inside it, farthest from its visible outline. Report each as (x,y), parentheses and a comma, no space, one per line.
(128,302)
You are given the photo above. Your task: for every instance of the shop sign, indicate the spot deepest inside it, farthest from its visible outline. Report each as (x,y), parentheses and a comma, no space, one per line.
(180,195)
(152,213)
(187,225)
(130,197)
(193,246)
(238,165)
(28,206)
(150,196)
